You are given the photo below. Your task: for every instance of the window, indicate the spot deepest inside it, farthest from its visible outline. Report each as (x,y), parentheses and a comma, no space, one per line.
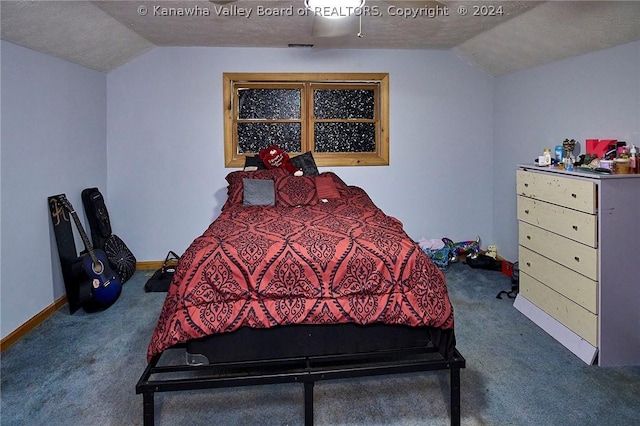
(341,118)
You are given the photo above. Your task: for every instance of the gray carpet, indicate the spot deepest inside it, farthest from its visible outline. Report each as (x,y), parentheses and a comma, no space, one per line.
(82,369)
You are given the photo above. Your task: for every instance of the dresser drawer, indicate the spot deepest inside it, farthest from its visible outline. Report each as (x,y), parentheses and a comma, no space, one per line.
(572,224)
(576,256)
(570,314)
(568,192)
(568,283)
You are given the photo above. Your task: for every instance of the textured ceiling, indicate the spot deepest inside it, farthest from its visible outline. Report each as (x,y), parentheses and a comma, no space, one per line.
(104,35)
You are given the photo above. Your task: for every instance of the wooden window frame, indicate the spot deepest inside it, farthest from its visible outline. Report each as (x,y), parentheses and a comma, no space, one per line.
(310,81)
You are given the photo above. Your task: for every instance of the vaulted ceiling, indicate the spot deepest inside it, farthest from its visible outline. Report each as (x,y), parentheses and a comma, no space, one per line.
(499,37)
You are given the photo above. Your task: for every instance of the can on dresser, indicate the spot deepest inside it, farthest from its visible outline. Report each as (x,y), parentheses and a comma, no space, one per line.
(607,164)
(621,166)
(559,153)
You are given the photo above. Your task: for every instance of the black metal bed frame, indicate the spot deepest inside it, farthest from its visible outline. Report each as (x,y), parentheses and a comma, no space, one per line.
(307,370)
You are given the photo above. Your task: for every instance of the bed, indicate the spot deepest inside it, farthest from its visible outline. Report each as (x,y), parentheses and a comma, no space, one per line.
(301,279)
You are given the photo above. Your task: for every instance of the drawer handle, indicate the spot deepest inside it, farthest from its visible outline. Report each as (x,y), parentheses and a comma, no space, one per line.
(528,263)
(575,227)
(528,237)
(577,259)
(526,211)
(574,195)
(526,185)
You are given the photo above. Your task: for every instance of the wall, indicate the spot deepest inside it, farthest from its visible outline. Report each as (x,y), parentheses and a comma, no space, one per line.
(53,141)
(165,148)
(590,96)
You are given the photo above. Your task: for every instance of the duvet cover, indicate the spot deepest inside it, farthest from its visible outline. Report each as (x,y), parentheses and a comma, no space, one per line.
(322,253)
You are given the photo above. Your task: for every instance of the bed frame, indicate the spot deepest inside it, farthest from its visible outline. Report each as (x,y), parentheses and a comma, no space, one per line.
(351,351)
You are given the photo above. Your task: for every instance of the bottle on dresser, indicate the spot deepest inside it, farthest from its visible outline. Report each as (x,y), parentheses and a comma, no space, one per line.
(634,164)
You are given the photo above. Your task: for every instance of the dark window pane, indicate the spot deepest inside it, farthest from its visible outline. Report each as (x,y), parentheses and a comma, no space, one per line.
(345,137)
(257,104)
(343,103)
(252,137)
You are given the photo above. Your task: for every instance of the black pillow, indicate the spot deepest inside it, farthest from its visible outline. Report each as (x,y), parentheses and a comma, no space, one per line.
(306,163)
(253,163)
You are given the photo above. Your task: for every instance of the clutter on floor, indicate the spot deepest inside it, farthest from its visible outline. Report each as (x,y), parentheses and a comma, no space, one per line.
(445,251)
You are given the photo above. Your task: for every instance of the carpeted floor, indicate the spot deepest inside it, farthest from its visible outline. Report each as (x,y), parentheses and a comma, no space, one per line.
(82,369)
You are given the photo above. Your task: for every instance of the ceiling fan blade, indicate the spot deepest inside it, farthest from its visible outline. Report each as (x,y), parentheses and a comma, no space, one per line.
(324,27)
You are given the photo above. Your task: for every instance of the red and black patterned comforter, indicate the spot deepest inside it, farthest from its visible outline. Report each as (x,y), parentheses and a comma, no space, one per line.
(340,261)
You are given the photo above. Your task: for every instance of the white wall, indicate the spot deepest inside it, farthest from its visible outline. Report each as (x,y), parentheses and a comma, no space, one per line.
(165,141)
(53,141)
(593,96)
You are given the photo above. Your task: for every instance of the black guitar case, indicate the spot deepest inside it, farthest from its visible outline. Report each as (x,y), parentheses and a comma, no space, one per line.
(76,282)
(120,257)
(97,215)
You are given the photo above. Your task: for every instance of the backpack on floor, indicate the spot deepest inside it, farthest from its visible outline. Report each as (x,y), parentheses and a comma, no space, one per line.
(162,278)
(482,261)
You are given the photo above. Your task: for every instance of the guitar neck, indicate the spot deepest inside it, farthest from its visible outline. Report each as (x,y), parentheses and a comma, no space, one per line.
(83,235)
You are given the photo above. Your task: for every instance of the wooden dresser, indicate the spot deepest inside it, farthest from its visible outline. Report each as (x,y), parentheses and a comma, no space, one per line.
(579,259)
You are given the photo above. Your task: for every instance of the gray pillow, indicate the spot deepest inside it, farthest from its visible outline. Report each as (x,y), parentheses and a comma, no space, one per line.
(258,192)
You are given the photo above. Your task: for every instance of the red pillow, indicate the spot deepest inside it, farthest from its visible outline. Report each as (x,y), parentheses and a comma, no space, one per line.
(296,191)
(336,179)
(326,187)
(234,190)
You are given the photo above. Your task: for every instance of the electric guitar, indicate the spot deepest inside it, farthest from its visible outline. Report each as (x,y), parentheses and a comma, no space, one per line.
(105,283)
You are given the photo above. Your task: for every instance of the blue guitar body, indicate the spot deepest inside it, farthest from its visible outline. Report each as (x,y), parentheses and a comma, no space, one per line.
(105,283)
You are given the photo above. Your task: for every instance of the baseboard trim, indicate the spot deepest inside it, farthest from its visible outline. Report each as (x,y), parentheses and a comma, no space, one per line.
(149,264)
(41,316)
(38,319)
